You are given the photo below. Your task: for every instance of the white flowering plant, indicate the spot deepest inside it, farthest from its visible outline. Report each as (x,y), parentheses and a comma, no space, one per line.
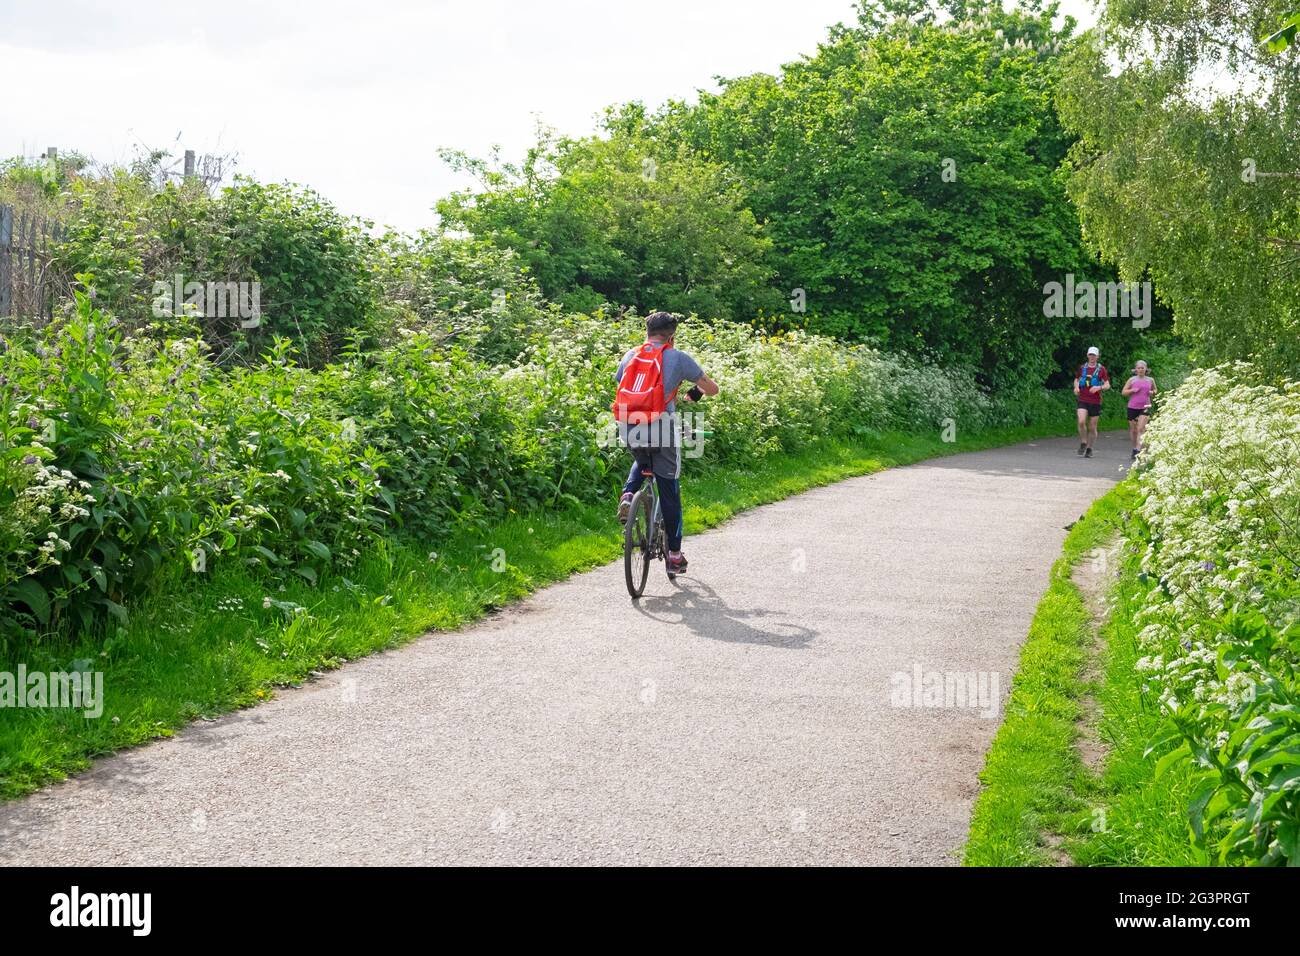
(38,501)
(1218,540)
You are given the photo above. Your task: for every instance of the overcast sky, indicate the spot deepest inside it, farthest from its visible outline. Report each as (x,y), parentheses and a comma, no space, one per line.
(355,98)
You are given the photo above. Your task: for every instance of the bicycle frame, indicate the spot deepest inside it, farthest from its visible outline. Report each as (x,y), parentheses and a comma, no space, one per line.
(649,540)
(657,546)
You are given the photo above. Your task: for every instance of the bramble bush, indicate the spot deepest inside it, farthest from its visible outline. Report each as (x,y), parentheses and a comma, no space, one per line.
(1218,532)
(320,273)
(128,462)
(460,290)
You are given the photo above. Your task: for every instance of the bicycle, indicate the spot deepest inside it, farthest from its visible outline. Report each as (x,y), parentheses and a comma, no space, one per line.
(644,537)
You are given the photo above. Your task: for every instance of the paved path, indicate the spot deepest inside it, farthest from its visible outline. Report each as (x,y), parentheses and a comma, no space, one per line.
(747,716)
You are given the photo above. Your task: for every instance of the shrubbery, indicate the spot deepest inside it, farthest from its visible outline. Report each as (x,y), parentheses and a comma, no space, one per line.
(1219,533)
(315,267)
(463,291)
(129,462)
(623,221)
(324,282)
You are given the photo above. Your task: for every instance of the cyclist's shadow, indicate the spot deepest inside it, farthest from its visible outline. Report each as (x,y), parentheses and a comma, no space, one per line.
(708,615)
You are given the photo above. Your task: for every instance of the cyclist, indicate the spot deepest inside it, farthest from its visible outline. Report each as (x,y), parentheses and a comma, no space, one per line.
(1092,379)
(658,443)
(1139,389)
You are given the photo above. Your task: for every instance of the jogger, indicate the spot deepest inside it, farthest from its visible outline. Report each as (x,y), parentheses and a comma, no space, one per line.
(1091,380)
(1139,389)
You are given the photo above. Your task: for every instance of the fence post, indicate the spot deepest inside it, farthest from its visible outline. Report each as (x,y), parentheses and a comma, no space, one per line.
(6,259)
(44,304)
(189,164)
(27,264)
(52,152)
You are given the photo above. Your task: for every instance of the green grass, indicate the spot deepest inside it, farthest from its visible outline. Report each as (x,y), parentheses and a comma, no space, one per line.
(1145,818)
(1033,778)
(1035,785)
(187,653)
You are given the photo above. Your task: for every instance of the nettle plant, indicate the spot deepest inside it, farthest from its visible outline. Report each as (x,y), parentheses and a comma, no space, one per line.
(1219,529)
(303,488)
(443,430)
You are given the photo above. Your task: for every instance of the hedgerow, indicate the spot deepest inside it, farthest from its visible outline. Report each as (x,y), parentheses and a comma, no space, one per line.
(1219,532)
(131,461)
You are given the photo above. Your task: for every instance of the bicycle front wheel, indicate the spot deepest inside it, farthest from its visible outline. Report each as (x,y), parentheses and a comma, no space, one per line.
(636,544)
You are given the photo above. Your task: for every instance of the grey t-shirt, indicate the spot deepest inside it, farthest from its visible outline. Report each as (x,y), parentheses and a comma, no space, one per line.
(664,433)
(678,367)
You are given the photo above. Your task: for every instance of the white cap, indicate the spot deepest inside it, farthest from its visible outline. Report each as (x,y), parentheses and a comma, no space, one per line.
(1094,351)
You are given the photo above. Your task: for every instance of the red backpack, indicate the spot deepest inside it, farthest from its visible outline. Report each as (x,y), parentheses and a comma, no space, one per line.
(640,396)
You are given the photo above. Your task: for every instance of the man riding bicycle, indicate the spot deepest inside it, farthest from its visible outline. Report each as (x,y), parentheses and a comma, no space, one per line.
(655,438)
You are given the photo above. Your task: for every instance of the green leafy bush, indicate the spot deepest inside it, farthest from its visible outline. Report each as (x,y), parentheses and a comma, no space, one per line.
(142,461)
(315,265)
(462,291)
(315,269)
(625,221)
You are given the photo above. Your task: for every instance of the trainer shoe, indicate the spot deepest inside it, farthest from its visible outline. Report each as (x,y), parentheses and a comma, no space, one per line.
(1088,453)
(676,562)
(1082,447)
(624,508)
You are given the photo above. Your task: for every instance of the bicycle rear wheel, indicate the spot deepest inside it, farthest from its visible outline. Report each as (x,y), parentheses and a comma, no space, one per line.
(636,544)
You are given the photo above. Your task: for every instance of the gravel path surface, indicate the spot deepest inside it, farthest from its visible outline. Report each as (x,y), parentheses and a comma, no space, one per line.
(761,712)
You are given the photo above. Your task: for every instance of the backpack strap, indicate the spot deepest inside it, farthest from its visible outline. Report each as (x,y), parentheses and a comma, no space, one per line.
(664,368)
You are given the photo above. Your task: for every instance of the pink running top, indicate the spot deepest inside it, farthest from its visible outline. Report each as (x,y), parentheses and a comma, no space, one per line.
(1141,394)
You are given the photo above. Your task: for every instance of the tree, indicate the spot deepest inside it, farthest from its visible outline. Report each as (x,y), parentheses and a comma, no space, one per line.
(906,173)
(1185,167)
(617,220)
(1283,37)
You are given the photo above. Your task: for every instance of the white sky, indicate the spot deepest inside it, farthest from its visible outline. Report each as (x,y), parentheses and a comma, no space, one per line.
(355,98)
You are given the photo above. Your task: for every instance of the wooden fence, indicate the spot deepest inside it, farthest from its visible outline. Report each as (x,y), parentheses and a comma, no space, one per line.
(27,289)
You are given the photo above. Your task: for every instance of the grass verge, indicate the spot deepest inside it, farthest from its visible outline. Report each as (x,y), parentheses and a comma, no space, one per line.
(202,651)
(1034,781)
(1037,796)
(1142,820)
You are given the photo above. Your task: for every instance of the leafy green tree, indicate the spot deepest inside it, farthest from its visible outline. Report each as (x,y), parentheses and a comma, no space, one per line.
(906,173)
(1189,129)
(1283,37)
(619,220)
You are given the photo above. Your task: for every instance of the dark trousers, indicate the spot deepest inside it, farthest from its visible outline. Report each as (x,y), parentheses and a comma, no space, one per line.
(670,502)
